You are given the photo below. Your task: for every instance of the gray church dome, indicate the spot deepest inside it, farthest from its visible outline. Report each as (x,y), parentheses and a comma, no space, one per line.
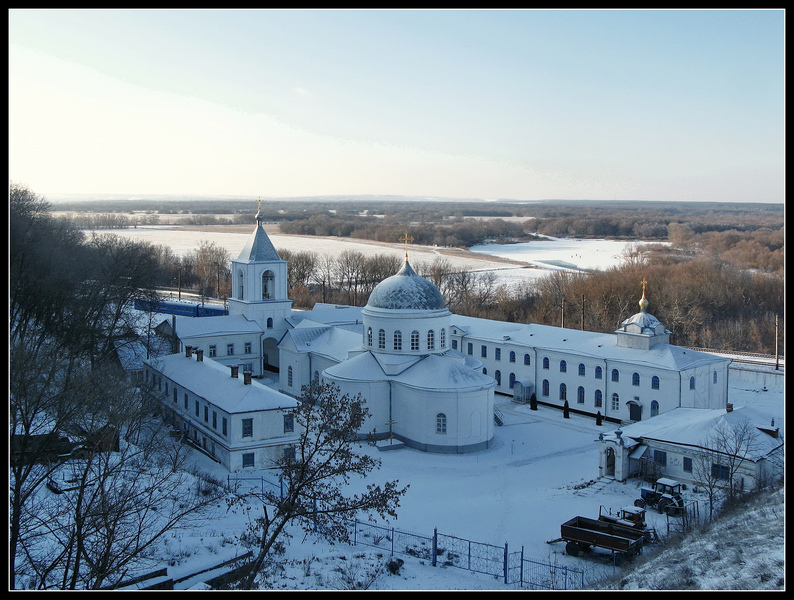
(406,291)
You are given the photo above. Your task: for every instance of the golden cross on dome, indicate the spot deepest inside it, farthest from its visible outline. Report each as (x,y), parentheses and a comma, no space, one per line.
(407,239)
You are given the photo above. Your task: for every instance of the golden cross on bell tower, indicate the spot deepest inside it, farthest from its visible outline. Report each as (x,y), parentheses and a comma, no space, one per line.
(407,239)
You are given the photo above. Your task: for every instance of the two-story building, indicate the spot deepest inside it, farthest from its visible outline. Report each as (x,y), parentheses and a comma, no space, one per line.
(235,419)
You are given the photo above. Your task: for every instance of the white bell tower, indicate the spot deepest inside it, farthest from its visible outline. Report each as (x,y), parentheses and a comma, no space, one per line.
(259,282)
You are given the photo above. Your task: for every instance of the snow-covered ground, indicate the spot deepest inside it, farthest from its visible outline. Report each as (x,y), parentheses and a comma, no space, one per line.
(541,471)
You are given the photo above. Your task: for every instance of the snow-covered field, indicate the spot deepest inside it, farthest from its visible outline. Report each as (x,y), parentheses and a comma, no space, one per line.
(541,471)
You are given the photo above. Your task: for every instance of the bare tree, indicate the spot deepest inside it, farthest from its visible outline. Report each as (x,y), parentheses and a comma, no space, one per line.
(314,480)
(114,499)
(722,454)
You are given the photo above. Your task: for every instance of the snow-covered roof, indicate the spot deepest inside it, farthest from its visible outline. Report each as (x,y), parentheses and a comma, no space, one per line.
(406,291)
(259,248)
(694,426)
(132,353)
(328,314)
(213,382)
(583,343)
(191,327)
(333,342)
(437,373)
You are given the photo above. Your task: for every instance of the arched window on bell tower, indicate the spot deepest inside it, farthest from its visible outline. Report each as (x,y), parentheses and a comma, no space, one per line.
(268,279)
(240,285)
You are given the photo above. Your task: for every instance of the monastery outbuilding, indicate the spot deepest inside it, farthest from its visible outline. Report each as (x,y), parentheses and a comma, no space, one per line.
(429,376)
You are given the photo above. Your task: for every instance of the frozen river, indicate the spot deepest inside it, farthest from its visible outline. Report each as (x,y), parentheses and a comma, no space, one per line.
(539,257)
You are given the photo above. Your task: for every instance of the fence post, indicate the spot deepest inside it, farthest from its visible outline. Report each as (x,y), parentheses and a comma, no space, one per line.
(521,568)
(392,541)
(505,563)
(435,545)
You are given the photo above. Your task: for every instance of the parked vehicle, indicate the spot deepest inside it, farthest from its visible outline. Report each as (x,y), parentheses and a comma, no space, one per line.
(665,497)
(582,533)
(629,516)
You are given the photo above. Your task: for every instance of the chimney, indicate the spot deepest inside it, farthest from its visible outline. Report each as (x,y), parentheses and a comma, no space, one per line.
(247,377)
(188,351)
(235,370)
(729,407)
(199,355)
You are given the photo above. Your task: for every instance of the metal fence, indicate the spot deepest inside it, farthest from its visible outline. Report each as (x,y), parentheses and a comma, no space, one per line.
(478,557)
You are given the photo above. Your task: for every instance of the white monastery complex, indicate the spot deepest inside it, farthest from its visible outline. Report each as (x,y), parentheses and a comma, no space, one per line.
(428,376)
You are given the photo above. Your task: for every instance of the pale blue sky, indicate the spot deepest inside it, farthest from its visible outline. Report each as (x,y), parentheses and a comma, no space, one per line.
(529,105)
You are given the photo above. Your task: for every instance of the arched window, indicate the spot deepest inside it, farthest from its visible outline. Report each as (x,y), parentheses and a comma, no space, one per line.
(692,383)
(369,336)
(599,373)
(484,371)
(398,340)
(615,375)
(635,379)
(381,339)
(431,340)
(715,377)
(545,362)
(240,285)
(414,340)
(316,376)
(441,423)
(512,356)
(498,376)
(580,395)
(654,408)
(443,338)
(289,376)
(598,398)
(615,402)
(527,359)
(545,387)
(581,369)
(270,322)
(563,391)
(512,380)
(563,366)
(267,285)
(654,383)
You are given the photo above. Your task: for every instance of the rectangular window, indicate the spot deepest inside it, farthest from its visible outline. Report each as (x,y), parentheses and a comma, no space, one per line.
(470,348)
(175,393)
(687,464)
(248,427)
(289,424)
(213,350)
(248,347)
(197,408)
(185,401)
(224,426)
(720,471)
(214,420)
(497,353)
(484,351)
(289,453)
(454,344)
(248,459)
(229,349)
(660,458)
(206,414)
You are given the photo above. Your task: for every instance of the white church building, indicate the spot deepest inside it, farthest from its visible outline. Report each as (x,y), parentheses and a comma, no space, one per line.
(429,376)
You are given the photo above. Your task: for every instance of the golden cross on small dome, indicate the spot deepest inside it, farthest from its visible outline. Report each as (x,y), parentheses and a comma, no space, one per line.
(407,239)
(643,300)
